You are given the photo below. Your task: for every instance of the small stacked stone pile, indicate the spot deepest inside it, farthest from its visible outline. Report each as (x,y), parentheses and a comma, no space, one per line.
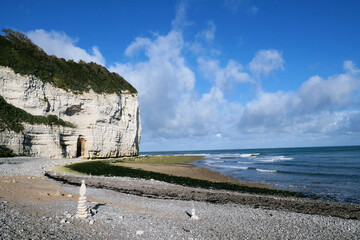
(81,209)
(193,215)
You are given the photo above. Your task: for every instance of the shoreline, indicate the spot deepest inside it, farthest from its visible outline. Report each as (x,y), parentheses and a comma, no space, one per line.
(35,206)
(203,173)
(178,167)
(192,171)
(161,190)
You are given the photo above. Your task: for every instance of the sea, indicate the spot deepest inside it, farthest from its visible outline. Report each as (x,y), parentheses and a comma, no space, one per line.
(327,173)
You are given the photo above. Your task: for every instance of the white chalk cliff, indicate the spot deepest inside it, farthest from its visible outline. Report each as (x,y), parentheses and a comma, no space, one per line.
(106,125)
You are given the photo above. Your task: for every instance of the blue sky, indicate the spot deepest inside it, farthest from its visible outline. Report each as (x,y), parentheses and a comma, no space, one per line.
(217,74)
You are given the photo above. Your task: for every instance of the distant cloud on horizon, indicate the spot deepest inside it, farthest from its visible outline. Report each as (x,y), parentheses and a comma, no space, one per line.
(319,106)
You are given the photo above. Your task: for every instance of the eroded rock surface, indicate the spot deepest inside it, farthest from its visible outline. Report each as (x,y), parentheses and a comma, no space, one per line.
(106,125)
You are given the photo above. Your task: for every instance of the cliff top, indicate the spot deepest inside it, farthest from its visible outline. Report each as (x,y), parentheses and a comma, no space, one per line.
(23,56)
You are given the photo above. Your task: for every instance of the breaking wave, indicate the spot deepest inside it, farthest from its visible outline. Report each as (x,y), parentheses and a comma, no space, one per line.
(274,159)
(265,170)
(227,166)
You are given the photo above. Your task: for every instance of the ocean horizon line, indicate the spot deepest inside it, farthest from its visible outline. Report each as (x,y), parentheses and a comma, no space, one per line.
(233,149)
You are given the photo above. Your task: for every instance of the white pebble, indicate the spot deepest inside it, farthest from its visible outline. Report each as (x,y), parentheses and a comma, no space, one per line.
(194,217)
(139,232)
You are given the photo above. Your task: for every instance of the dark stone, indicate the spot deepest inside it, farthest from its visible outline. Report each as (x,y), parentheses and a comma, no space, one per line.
(73,110)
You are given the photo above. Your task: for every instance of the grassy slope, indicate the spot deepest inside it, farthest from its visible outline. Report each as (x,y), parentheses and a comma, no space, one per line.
(11,118)
(24,57)
(5,152)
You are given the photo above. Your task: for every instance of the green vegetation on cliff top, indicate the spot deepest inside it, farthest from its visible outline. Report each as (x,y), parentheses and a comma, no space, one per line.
(23,56)
(11,118)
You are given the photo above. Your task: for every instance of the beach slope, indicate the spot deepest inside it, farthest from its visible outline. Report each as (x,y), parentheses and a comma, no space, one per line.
(34,206)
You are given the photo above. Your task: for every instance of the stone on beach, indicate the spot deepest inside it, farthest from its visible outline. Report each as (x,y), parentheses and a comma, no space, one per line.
(82,210)
(22,217)
(193,215)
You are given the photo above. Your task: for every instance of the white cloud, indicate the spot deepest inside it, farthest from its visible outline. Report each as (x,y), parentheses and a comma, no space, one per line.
(266,61)
(61,45)
(173,109)
(223,77)
(350,67)
(180,21)
(139,43)
(332,94)
(324,106)
(175,113)
(207,34)
(235,5)
(252,10)
(204,41)
(269,111)
(170,107)
(163,80)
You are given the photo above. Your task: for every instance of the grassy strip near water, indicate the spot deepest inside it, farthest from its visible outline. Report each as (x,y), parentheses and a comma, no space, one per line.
(104,168)
(160,159)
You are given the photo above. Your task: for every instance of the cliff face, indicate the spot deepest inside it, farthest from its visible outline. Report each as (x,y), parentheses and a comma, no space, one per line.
(106,125)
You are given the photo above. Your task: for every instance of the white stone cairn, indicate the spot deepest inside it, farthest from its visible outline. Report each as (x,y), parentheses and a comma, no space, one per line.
(193,215)
(81,209)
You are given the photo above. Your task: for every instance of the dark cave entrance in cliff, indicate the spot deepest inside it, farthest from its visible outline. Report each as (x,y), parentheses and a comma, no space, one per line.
(80,150)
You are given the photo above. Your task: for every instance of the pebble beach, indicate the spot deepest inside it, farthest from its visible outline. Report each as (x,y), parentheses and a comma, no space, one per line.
(34,206)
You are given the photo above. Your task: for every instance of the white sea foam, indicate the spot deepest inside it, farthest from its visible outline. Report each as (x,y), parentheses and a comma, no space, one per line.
(213,161)
(248,155)
(235,155)
(227,166)
(195,154)
(273,159)
(245,162)
(265,170)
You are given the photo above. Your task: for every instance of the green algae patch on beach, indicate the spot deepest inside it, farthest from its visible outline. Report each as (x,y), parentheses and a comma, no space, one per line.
(105,168)
(66,170)
(160,159)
